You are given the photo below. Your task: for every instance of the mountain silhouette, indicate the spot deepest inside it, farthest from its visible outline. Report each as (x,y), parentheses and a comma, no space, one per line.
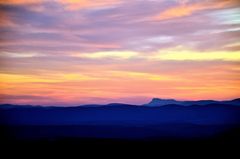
(162,102)
(156,121)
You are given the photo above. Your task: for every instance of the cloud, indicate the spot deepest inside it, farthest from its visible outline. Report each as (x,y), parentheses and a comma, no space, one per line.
(186,9)
(122,28)
(109,54)
(55,78)
(86,4)
(142,75)
(20,2)
(235,47)
(9,97)
(185,54)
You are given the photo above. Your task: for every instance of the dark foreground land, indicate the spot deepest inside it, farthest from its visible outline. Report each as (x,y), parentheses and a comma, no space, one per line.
(106,135)
(44,140)
(166,128)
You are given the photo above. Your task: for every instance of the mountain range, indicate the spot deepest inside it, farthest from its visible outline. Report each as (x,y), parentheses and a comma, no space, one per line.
(155,102)
(161,102)
(159,119)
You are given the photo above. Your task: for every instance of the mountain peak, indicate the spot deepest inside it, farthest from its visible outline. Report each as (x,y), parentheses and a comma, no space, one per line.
(160,102)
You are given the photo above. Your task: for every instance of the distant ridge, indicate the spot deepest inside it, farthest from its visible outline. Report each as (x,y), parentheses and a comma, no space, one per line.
(117,113)
(158,119)
(161,102)
(155,102)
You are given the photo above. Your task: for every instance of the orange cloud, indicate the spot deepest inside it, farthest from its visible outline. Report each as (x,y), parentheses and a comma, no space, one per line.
(81,4)
(19,2)
(185,9)
(68,4)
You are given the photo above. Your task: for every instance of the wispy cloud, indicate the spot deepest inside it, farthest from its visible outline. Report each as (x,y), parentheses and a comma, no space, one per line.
(21,2)
(181,54)
(86,4)
(186,9)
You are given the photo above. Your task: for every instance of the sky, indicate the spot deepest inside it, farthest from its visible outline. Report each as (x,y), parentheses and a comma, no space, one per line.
(73,52)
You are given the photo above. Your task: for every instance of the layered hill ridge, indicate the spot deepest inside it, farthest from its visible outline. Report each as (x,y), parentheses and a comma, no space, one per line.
(155,102)
(162,102)
(158,119)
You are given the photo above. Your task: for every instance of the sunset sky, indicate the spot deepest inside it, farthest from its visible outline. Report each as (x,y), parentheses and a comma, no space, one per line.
(73,52)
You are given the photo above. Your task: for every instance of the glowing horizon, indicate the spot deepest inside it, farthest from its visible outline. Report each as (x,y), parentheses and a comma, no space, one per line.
(69,52)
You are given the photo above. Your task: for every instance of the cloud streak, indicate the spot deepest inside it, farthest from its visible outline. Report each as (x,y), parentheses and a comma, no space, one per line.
(186,9)
(85,4)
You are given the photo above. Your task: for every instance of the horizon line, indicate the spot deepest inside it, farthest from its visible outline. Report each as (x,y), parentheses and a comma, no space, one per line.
(41,105)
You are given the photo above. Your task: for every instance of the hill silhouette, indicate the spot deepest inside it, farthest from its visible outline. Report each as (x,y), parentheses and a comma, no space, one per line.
(152,122)
(162,102)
